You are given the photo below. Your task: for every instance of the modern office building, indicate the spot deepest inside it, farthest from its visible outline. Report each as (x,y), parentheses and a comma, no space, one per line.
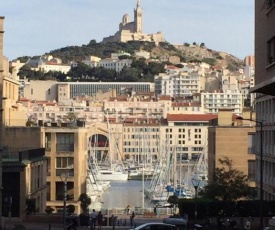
(265,93)
(63,91)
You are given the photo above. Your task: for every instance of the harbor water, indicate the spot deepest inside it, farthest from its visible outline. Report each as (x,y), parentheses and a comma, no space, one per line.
(123,193)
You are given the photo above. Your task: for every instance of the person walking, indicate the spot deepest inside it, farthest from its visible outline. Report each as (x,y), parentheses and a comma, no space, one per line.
(127,209)
(99,219)
(132,218)
(93,219)
(156,211)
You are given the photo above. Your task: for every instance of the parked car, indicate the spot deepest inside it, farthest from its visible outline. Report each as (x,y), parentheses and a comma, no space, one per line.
(179,222)
(156,226)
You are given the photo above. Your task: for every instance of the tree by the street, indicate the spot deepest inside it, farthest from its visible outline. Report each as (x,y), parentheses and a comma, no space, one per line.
(85,201)
(229,184)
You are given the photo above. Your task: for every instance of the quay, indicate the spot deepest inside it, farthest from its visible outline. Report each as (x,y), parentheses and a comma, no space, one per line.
(122,223)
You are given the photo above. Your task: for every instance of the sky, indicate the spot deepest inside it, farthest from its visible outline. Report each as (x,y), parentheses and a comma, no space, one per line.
(35,27)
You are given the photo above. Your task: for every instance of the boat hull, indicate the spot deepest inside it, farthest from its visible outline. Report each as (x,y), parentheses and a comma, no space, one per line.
(140,177)
(113,176)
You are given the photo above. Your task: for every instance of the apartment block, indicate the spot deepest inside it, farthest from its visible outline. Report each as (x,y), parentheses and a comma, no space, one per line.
(186,135)
(231,139)
(213,101)
(265,94)
(178,84)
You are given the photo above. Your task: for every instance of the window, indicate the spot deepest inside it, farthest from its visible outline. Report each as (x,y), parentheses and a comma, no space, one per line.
(48,141)
(65,142)
(251,170)
(64,163)
(271,50)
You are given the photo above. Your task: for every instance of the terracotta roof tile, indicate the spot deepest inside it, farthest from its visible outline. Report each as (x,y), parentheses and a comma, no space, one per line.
(191,117)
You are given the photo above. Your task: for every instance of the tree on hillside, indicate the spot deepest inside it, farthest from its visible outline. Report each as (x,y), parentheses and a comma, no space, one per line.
(129,75)
(210,61)
(25,71)
(78,71)
(229,184)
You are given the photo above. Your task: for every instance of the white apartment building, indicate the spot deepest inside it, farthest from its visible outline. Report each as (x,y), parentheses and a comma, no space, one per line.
(53,114)
(91,61)
(119,110)
(115,64)
(231,99)
(177,85)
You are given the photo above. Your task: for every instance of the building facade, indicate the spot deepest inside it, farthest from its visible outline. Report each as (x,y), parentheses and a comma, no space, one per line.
(70,90)
(213,101)
(264,90)
(229,139)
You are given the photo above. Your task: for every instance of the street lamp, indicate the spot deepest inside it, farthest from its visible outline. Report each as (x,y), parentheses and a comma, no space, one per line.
(64,178)
(260,123)
(196,183)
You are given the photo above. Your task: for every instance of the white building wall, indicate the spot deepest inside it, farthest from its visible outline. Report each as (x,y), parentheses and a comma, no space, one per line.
(58,68)
(231,99)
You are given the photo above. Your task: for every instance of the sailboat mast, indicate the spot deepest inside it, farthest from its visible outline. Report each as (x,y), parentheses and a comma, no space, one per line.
(143,179)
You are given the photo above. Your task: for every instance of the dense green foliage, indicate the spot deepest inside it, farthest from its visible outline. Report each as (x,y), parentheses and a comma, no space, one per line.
(139,71)
(30,206)
(209,208)
(229,184)
(85,201)
(210,61)
(104,50)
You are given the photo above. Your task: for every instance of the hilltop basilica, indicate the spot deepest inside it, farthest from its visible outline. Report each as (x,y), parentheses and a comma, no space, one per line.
(132,31)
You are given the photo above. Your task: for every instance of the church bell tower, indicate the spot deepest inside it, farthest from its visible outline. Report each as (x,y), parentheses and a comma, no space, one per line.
(138,18)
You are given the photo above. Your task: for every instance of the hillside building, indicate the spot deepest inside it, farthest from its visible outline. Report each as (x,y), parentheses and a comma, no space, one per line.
(133,30)
(211,102)
(115,63)
(178,84)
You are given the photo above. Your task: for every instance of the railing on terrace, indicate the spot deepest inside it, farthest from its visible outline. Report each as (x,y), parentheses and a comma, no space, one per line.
(137,210)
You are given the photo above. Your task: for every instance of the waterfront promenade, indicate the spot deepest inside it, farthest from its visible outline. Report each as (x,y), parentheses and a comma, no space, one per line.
(123,222)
